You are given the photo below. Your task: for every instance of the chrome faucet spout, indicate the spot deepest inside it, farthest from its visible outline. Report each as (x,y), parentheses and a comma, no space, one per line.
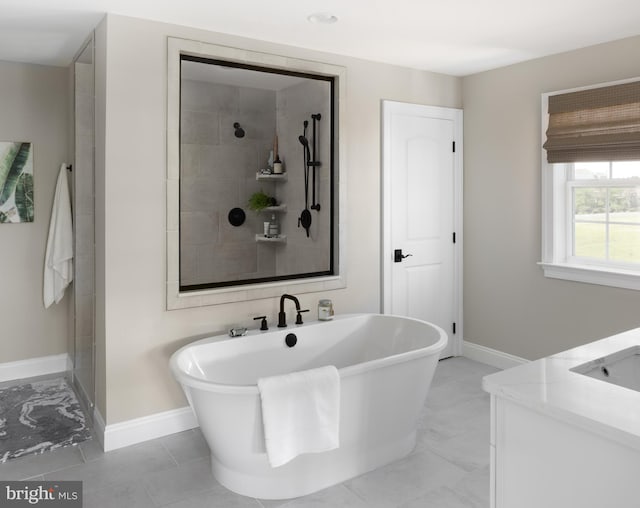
(282,315)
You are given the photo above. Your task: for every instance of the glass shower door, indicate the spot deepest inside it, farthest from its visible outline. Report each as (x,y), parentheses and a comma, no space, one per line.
(84,230)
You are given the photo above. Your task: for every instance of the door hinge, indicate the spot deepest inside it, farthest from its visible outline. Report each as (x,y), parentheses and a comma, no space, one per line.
(454,237)
(454,328)
(454,146)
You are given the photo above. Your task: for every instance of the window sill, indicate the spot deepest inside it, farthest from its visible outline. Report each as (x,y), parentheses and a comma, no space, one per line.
(626,279)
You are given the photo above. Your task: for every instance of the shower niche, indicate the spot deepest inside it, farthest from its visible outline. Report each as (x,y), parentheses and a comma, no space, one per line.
(242,123)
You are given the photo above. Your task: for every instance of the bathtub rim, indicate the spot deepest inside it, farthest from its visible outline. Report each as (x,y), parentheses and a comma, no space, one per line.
(351,370)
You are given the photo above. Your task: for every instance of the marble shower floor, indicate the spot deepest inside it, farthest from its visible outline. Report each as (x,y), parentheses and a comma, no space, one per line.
(449,467)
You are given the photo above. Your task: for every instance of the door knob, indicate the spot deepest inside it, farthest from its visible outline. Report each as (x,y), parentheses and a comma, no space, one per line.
(398,256)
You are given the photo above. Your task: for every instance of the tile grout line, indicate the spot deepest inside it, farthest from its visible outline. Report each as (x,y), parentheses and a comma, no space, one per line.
(55,470)
(358,496)
(146,491)
(84,458)
(169,453)
(146,487)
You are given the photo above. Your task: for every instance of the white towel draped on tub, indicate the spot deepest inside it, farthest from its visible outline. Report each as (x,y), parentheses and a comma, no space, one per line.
(300,413)
(58,259)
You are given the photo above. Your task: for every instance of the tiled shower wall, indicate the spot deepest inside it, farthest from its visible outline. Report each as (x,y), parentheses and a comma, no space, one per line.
(218,173)
(84,238)
(295,105)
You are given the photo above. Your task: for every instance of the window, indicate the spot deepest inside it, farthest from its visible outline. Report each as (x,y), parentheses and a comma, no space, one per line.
(591,207)
(604,213)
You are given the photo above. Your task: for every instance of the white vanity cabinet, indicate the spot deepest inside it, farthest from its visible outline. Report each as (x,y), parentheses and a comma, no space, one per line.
(561,439)
(540,461)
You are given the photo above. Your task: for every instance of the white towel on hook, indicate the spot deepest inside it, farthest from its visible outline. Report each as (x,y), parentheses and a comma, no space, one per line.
(300,413)
(58,259)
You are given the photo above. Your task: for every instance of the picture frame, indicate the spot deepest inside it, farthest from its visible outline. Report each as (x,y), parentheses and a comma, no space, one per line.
(16,182)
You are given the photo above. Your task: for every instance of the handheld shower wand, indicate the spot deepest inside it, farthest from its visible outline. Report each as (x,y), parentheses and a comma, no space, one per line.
(305,217)
(305,144)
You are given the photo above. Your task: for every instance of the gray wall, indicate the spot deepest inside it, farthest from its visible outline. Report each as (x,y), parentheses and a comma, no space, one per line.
(134,330)
(295,105)
(508,304)
(218,173)
(34,101)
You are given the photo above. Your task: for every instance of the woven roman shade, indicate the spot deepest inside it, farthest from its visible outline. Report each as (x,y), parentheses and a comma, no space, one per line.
(599,124)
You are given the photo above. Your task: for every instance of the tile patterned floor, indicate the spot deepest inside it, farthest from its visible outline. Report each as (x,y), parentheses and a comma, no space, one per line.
(449,467)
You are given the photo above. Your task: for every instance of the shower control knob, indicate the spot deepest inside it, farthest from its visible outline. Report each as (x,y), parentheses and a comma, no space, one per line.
(291,339)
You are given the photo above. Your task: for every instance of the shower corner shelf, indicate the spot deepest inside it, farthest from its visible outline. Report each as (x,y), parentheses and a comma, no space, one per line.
(272,239)
(276,209)
(282,177)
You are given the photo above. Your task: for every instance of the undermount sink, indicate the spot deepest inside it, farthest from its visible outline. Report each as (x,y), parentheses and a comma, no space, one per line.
(621,368)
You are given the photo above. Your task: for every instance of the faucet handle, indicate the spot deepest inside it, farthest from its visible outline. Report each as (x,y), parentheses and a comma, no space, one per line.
(263,324)
(299,316)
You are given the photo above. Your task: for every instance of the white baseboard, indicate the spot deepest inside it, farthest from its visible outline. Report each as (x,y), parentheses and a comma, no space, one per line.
(490,356)
(32,367)
(138,430)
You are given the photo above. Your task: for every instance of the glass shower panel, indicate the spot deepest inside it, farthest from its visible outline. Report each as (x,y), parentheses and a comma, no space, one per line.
(83,220)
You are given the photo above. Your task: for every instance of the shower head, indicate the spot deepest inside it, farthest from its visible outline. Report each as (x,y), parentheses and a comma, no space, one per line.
(238,131)
(305,142)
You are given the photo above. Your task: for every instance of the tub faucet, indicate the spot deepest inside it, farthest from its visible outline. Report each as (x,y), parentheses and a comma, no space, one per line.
(282,315)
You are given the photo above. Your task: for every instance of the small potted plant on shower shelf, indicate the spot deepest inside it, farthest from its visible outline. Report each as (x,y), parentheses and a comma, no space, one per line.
(259,201)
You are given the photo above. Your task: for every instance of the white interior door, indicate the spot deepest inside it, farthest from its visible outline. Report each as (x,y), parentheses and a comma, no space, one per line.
(422,187)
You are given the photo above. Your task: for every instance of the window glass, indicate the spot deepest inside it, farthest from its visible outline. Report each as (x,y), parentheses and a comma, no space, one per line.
(624,243)
(590,240)
(606,223)
(590,203)
(591,170)
(626,169)
(623,204)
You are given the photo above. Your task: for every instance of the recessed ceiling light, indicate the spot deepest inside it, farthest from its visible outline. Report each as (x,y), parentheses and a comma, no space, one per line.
(325,18)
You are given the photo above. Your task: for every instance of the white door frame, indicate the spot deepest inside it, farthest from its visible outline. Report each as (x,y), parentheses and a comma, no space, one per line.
(389,108)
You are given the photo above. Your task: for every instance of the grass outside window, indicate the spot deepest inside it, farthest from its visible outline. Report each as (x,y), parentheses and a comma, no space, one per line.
(606,222)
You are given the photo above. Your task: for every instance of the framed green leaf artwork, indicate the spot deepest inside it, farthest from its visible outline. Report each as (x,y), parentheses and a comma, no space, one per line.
(16,182)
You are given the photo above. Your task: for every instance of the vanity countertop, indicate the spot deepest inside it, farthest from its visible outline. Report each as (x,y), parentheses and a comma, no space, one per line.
(549,387)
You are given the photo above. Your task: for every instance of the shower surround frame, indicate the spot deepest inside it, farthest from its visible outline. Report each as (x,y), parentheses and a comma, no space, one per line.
(177,299)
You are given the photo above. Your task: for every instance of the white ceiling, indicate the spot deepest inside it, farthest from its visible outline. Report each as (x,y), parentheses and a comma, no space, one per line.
(457,37)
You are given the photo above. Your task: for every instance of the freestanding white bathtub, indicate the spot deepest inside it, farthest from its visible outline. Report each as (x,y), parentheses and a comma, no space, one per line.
(385,364)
